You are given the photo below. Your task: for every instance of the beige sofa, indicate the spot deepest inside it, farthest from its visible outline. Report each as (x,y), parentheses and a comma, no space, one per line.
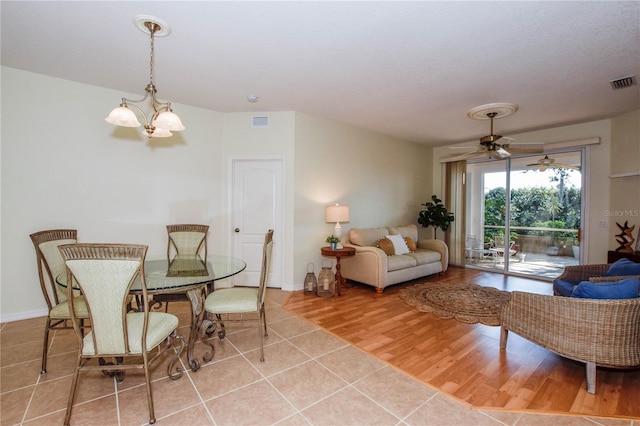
(371,265)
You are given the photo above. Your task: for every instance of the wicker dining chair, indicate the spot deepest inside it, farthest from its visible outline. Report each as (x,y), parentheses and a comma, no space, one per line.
(598,332)
(105,274)
(243,300)
(50,265)
(183,241)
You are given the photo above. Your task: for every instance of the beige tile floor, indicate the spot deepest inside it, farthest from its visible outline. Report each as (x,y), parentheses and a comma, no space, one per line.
(310,377)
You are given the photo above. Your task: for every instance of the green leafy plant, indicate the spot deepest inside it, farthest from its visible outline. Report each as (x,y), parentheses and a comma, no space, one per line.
(332,239)
(435,215)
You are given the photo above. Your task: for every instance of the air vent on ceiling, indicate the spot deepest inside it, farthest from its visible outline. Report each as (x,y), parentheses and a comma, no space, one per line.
(624,82)
(259,122)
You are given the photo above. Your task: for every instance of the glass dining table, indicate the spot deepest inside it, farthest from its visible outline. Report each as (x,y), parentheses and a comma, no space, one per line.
(187,277)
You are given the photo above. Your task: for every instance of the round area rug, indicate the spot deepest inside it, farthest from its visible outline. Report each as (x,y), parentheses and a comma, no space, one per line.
(468,303)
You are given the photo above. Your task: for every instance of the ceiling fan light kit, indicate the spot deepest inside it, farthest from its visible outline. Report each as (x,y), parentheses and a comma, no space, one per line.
(488,143)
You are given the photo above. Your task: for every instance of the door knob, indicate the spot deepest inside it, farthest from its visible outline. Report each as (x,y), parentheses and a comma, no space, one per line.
(236,230)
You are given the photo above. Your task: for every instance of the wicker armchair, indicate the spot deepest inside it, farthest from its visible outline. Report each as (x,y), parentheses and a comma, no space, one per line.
(594,273)
(601,332)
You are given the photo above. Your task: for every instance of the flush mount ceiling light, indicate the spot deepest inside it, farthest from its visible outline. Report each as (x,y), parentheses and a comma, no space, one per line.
(163,119)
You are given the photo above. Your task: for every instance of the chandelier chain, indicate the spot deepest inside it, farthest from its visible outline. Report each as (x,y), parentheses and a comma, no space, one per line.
(152,30)
(162,120)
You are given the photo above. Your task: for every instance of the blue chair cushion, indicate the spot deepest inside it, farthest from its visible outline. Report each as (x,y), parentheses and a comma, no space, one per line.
(623,289)
(623,267)
(563,287)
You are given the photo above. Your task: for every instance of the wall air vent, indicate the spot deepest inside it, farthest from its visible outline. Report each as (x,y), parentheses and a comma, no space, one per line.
(624,82)
(259,122)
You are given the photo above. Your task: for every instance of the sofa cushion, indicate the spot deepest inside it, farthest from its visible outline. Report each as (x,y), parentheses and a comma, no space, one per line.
(623,289)
(367,236)
(386,246)
(410,231)
(411,244)
(563,287)
(399,246)
(401,261)
(423,257)
(623,267)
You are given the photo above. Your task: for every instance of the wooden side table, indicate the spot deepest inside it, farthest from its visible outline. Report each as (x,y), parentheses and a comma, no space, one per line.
(338,253)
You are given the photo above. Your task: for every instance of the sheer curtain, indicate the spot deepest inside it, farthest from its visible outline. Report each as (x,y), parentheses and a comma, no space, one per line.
(456,195)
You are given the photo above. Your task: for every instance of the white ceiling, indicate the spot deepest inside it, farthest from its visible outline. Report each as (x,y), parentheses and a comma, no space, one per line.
(407,69)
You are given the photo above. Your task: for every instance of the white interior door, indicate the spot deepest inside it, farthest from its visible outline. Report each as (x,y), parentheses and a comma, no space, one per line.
(257,206)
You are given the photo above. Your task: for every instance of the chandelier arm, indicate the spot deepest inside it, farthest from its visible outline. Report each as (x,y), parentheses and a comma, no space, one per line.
(130,103)
(167,120)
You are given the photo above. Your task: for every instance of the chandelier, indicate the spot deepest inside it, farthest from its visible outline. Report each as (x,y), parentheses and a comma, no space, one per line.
(163,120)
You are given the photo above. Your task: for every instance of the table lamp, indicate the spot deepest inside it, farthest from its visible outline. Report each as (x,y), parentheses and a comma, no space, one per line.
(337,214)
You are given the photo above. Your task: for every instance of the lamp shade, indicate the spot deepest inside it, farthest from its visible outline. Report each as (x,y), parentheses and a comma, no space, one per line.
(158,133)
(168,120)
(337,213)
(123,116)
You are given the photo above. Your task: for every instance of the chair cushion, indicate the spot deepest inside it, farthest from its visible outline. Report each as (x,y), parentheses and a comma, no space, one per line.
(61,310)
(623,289)
(410,231)
(395,263)
(622,267)
(161,325)
(366,236)
(232,300)
(563,287)
(423,257)
(399,246)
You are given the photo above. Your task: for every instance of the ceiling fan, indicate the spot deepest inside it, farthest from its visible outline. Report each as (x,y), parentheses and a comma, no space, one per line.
(489,144)
(546,162)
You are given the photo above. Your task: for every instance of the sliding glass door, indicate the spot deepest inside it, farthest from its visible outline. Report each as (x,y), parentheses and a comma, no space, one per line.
(523,214)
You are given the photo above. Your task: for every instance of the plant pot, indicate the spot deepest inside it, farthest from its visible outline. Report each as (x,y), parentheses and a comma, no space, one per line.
(576,251)
(333,246)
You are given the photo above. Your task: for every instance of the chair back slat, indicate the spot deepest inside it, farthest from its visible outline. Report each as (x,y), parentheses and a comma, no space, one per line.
(105,273)
(50,263)
(187,239)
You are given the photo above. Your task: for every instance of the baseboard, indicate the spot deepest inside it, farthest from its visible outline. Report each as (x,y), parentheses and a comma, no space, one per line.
(23,315)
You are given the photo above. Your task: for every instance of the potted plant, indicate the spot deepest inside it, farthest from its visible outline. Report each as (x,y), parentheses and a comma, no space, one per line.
(435,215)
(333,241)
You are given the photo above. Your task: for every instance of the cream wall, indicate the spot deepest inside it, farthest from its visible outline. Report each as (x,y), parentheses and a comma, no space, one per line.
(597,233)
(625,190)
(382,179)
(63,166)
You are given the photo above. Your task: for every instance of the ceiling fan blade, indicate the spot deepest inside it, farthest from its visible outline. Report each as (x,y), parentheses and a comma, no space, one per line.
(466,148)
(516,145)
(463,156)
(501,153)
(534,164)
(565,166)
(515,150)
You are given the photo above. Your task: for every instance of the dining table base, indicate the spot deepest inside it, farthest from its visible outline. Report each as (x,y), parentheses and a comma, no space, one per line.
(198,326)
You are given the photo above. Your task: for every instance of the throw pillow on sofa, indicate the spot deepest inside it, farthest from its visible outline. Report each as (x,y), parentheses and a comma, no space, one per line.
(399,246)
(623,267)
(411,244)
(623,289)
(386,245)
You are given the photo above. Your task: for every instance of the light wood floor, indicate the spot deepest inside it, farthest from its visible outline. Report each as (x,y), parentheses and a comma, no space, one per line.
(464,360)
